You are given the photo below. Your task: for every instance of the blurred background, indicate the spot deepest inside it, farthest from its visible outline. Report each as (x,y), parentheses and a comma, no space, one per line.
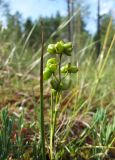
(87,19)
(90,26)
(84,22)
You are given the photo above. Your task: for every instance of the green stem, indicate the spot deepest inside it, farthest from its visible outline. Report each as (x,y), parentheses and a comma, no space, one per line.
(60,57)
(41,102)
(54,113)
(53,123)
(51,128)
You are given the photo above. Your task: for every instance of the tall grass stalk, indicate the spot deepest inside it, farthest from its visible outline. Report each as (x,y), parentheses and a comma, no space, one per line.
(51,126)
(102,64)
(41,101)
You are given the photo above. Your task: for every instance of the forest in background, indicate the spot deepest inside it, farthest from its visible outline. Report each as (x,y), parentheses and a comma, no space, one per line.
(16,30)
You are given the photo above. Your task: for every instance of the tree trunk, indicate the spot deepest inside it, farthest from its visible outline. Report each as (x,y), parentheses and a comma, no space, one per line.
(69,24)
(98,30)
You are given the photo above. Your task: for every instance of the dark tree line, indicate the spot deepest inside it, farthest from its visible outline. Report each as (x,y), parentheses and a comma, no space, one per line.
(17,30)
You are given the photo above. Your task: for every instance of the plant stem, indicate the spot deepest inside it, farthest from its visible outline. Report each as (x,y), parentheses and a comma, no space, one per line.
(57,99)
(51,131)
(55,115)
(53,123)
(54,112)
(60,57)
(41,101)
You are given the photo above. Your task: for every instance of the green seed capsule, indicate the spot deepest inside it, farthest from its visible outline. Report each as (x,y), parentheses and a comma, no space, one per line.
(68,45)
(73,69)
(51,49)
(64,69)
(69,69)
(47,74)
(68,48)
(52,67)
(52,64)
(59,47)
(65,83)
(68,53)
(52,61)
(55,85)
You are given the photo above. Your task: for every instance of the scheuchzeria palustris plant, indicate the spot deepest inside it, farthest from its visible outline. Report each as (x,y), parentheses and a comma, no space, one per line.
(59,79)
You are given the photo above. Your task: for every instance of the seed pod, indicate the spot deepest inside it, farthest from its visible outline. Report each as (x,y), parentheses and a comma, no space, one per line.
(68,48)
(52,64)
(65,83)
(68,68)
(64,69)
(68,45)
(51,49)
(52,67)
(59,47)
(52,61)
(47,74)
(73,69)
(68,51)
(55,85)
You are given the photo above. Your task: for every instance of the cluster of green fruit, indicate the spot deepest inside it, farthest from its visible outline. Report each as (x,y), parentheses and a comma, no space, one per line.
(51,67)
(60,48)
(59,83)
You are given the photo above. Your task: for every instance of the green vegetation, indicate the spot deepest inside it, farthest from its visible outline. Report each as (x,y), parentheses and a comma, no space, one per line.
(74,117)
(58,84)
